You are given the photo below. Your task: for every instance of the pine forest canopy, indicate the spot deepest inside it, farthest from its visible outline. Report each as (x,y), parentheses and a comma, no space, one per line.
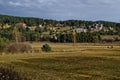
(30,21)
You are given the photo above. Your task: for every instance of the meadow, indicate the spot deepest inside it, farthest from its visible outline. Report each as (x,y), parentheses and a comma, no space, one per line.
(82,61)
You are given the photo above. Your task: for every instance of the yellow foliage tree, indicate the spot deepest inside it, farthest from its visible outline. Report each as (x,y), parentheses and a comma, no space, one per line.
(0,26)
(6,26)
(74,37)
(17,35)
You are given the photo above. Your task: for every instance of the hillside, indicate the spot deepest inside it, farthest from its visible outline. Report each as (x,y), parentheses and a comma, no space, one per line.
(37,29)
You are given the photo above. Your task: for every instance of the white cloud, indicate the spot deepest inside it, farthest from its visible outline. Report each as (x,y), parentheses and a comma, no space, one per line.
(15,3)
(101,3)
(31,3)
(64,9)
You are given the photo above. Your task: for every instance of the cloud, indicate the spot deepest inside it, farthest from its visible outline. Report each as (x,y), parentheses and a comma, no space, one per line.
(15,3)
(31,3)
(1,2)
(63,9)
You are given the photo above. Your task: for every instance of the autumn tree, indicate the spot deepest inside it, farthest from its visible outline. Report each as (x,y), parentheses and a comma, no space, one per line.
(17,35)
(74,37)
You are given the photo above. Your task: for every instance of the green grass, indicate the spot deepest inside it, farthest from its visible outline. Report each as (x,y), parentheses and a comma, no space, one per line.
(74,63)
(63,29)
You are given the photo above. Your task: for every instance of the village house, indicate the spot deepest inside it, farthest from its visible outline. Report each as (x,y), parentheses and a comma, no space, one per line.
(111,28)
(101,27)
(96,27)
(52,29)
(21,24)
(32,28)
(79,30)
(105,29)
(59,25)
(41,27)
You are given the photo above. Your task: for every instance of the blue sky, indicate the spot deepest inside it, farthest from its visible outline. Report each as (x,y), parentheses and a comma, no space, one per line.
(108,10)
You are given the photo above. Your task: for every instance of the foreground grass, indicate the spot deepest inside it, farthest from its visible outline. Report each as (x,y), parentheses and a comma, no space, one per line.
(67,63)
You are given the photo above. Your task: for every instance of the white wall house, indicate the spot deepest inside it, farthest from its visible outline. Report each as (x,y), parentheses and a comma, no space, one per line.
(79,30)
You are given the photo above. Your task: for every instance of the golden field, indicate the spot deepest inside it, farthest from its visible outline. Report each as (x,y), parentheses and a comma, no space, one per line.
(67,61)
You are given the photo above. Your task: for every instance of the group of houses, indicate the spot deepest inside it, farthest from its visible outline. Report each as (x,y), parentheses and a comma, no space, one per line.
(91,28)
(32,28)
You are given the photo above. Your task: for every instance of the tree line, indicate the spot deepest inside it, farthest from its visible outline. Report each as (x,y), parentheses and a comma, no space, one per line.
(36,35)
(30,21)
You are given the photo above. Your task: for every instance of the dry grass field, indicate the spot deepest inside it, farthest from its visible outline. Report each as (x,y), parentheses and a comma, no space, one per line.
(110,36)
(67,62)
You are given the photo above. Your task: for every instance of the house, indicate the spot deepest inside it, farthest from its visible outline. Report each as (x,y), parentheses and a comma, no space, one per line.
(105,29)
(52,29)
(21,24)
(82,26)
(101,27)
(59,25)
(79,30)
(95,27)
(111,28)
(40,26)
(32,28)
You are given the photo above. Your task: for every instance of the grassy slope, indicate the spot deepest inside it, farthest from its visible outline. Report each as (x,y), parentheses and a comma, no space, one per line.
(68,63)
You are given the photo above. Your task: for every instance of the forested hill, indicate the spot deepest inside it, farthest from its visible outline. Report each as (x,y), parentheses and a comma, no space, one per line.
(30,21)
(37,29)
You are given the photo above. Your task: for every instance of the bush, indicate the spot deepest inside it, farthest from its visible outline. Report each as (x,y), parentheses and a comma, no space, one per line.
(3,43)
(46,48)
(9,74)
(20,47)
(111,46)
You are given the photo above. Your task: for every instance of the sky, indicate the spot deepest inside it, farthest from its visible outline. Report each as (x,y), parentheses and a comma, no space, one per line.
(107,10)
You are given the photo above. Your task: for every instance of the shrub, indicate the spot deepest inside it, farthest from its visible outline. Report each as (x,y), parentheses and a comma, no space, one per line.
(3,43)
(111,46)
(20,47)
(9,74)
(46,48)
(25,48)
